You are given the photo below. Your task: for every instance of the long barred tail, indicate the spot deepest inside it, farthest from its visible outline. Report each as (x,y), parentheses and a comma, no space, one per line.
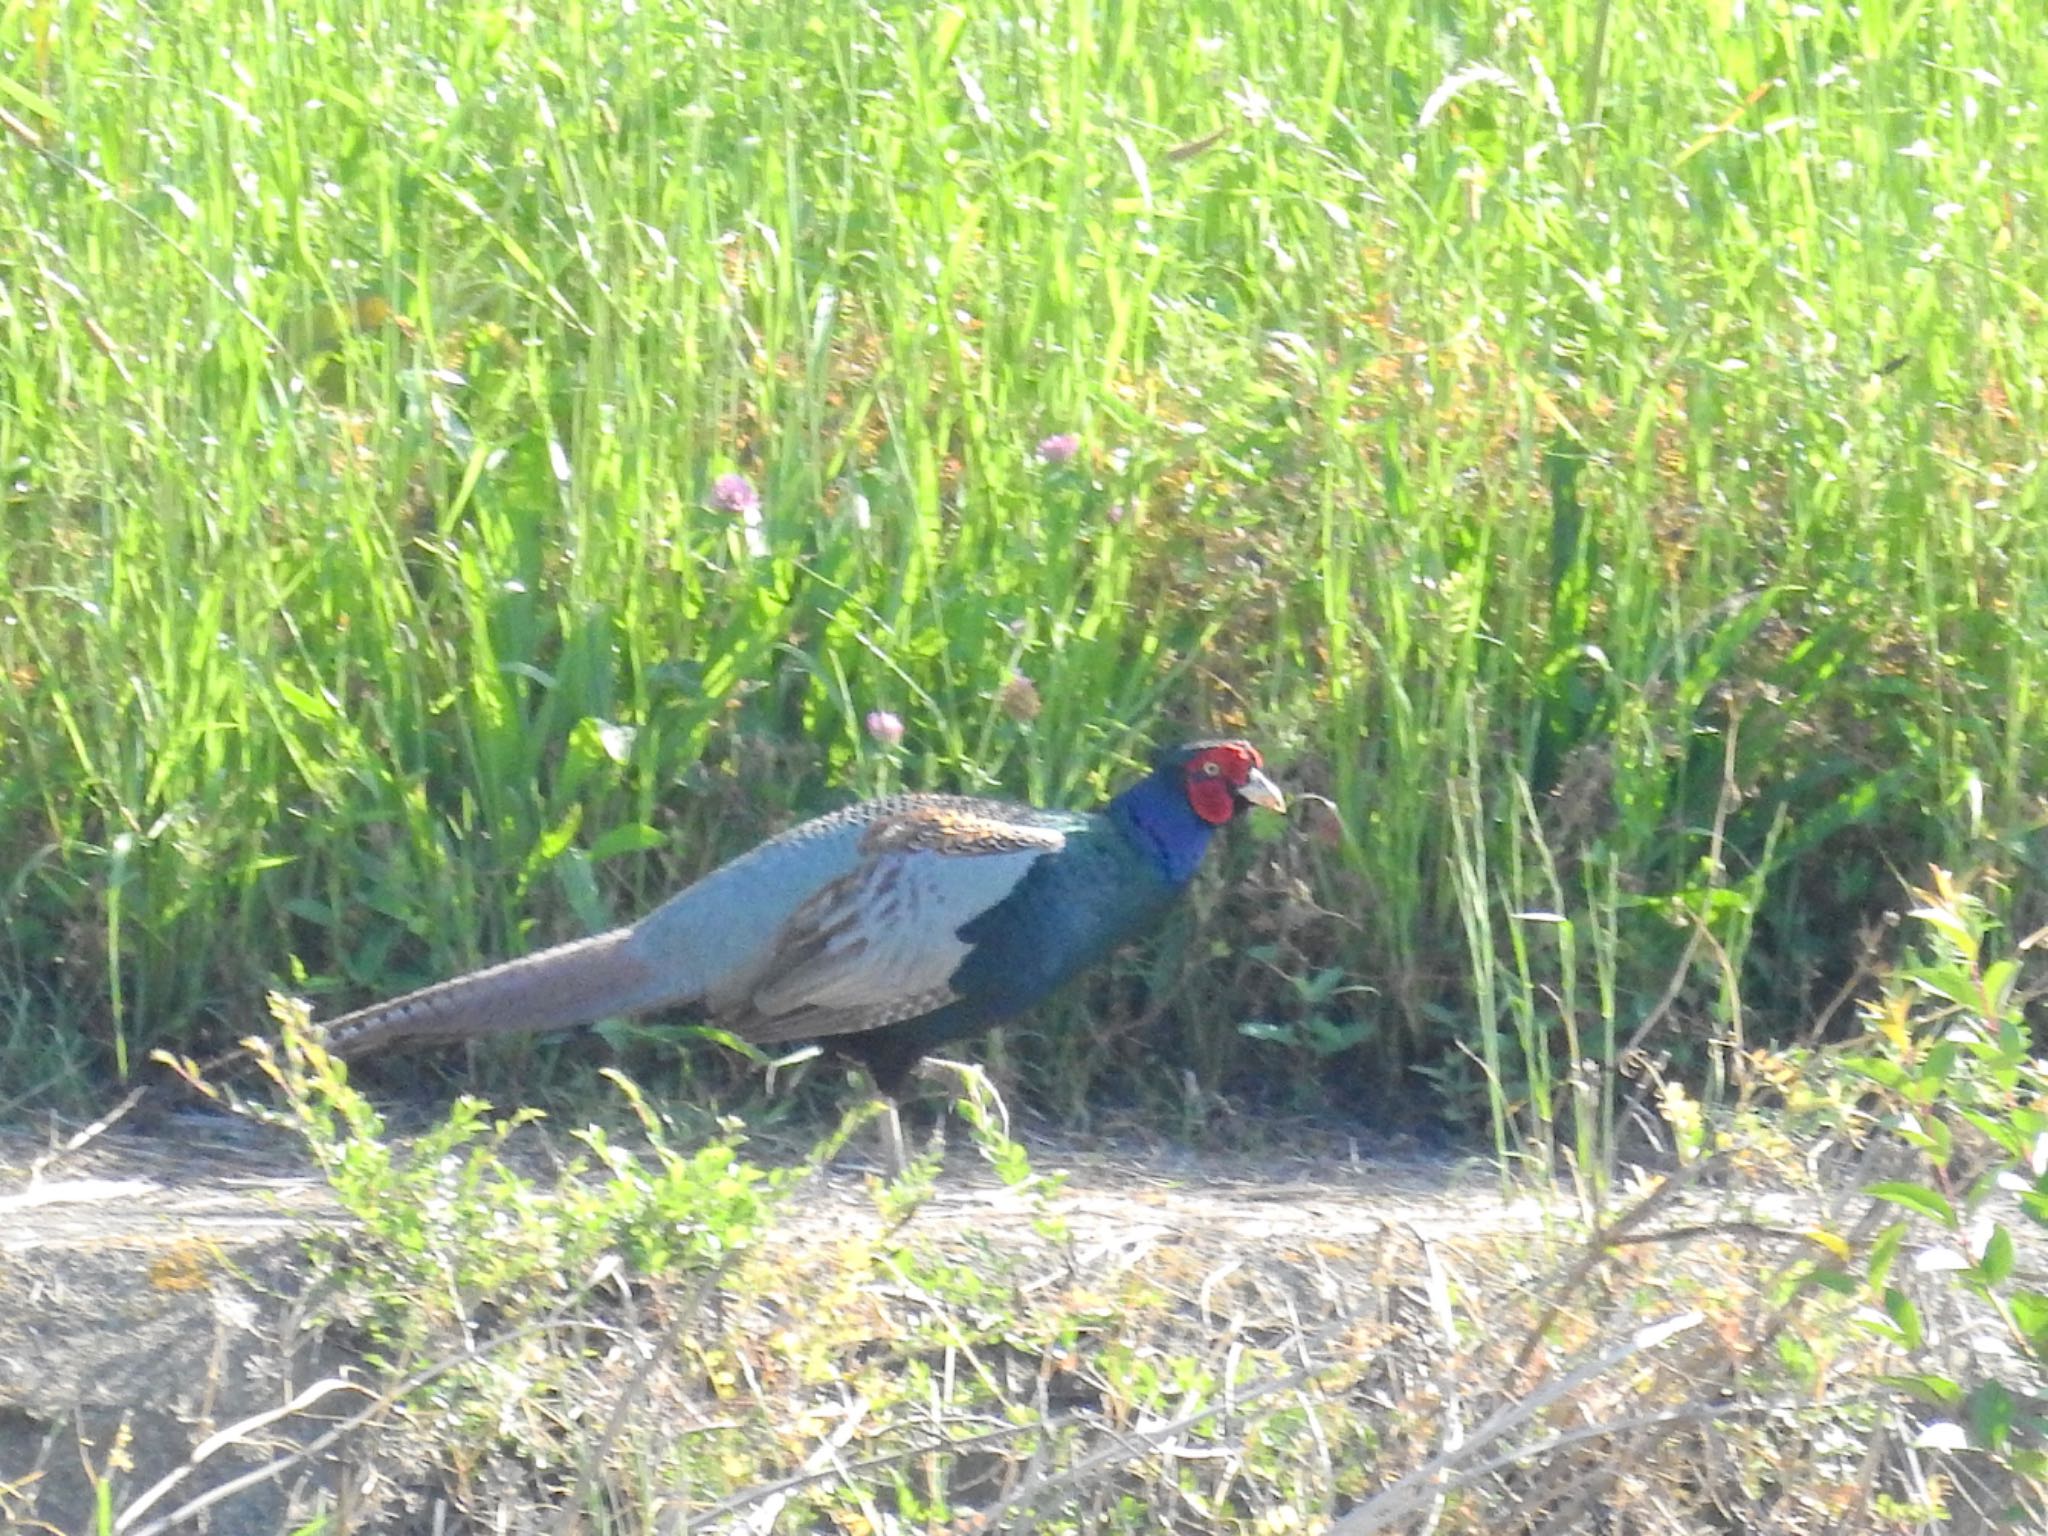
(577,983)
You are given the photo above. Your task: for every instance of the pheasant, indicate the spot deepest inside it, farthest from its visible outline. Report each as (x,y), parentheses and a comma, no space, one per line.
(882,930)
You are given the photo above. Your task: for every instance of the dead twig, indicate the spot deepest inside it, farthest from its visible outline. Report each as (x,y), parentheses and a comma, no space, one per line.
(235,1434)
(1439,1292)
(1427,1483)
(91,1133)
(1601,1241)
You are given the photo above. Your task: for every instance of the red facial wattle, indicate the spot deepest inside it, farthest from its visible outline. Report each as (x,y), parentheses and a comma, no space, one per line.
(1212,800)
(1214,776)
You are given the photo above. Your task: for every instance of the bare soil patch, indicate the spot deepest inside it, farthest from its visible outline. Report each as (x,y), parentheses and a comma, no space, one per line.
(1320,1342)
(154,1288)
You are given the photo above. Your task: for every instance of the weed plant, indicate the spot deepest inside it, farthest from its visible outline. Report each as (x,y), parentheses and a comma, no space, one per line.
(469,469)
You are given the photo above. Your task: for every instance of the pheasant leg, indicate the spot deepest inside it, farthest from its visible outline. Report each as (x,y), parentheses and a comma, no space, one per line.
(892,1138)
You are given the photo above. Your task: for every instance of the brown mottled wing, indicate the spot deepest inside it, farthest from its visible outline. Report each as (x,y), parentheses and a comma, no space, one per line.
(881,943)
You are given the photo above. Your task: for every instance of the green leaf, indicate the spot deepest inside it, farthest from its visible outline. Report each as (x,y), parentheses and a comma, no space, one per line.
(558,838)
(28,101)
(1880,1070)
(1838,1281)
(1797,1356)
(1326,1037)
(1935,1391)
(1884,1252)
(633,837)
(594,743)
(1951,982)
(1990,1408)
(1914,1197)
(946,27)
(1899,1307)
(316,707)
(1940,1064)
(1998,983)
(1932,1137)
(1998,1257)
(572,873)
(1322,986)
(2030,1315)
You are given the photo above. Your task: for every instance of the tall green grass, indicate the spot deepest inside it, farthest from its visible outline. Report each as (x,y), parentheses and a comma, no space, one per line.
(1594,444)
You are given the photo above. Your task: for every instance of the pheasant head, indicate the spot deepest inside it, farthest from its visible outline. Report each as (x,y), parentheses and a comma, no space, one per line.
(1221,778)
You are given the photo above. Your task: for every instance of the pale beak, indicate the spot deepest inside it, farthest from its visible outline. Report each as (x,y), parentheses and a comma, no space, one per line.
(1260,790)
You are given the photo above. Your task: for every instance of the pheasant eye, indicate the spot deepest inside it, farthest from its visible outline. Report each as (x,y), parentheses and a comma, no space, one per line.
(1212,768)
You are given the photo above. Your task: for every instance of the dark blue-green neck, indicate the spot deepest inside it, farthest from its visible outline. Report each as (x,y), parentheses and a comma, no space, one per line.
(1155,815)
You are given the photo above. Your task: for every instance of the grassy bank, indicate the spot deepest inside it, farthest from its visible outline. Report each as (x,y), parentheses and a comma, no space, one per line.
(1594,446)
(1806,1323)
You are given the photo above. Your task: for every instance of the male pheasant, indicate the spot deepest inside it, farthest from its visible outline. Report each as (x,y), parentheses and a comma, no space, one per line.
(882,930)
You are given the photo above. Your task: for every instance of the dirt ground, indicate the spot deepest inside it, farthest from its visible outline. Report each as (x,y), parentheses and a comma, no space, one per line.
(153,1288)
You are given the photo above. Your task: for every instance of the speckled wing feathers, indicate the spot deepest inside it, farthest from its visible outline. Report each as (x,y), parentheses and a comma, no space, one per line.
(963,828)
(881,943)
